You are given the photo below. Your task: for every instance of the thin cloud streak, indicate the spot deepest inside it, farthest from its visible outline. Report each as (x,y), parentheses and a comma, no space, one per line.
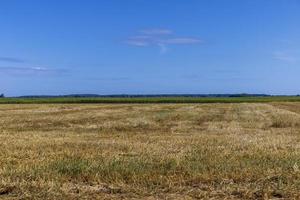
(282,56)
(157,31)
(183,41)
(31,70)
(137,42)
(140,41)
(161,38)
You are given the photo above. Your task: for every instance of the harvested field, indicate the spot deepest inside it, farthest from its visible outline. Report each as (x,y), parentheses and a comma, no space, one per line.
(150,151)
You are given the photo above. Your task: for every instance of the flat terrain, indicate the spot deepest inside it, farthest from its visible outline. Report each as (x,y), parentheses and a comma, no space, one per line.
(178,99)
(150,151)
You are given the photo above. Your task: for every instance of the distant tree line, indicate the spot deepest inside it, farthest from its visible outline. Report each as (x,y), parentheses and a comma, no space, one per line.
(146,95)
(1,95)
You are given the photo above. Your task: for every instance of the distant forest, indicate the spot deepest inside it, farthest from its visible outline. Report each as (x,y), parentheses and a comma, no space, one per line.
(145,95)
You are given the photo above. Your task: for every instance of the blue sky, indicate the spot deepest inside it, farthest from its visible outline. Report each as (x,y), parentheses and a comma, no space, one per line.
(149,47)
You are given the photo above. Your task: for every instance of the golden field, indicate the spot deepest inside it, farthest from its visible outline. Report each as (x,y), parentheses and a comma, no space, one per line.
(150,151)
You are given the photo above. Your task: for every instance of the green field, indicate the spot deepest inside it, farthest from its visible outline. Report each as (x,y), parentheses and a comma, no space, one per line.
(151,100)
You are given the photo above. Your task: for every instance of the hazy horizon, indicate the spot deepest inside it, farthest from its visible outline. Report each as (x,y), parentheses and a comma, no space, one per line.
(149,47)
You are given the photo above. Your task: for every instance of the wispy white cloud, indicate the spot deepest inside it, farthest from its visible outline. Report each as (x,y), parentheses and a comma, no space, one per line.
(137,42)
(183,41)
(157,31)
(140,40)
(31,70)
(161,38)
(284,56)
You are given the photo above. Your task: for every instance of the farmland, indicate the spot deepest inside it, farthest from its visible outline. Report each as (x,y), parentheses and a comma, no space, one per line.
(240,148)
(163,99)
